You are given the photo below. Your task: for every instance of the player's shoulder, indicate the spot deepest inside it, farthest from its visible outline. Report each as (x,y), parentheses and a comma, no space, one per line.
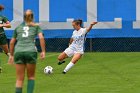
(74,31)
(35,25)
(20,26)
(83,28)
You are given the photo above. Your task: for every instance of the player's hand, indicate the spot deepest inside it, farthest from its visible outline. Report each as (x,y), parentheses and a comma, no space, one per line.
(11,60)
(93,23)
(42,55)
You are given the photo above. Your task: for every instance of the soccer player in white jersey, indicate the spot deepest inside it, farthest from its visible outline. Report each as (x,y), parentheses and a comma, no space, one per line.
(76,45)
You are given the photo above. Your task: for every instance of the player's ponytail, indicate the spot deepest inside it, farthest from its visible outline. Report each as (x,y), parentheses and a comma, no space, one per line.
(79,22)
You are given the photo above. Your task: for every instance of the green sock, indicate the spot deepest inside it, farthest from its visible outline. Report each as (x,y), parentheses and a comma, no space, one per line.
(18,90)
(30,86)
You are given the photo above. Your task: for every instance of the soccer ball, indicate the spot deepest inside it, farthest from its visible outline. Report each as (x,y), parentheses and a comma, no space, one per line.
(48,70)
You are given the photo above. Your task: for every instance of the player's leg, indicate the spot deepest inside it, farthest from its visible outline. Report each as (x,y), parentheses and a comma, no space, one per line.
(20,70)
(31,59)
(5,49)
(73,61)
(67,53)
(61,58)
(4,44)
(31,77)
(20,73)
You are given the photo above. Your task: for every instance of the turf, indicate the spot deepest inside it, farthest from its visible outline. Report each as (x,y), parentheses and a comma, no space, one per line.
(94,73)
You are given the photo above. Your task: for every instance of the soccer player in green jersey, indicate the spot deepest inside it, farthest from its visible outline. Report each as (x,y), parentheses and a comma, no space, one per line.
(24,53)
(3,39)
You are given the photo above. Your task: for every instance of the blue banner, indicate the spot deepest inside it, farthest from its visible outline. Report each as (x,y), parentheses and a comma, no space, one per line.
(117,18)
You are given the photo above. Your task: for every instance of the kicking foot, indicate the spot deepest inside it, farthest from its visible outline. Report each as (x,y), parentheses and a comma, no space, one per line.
(63,72)
(59,63)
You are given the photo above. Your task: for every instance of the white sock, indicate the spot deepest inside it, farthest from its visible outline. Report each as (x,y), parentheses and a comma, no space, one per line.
(68,67)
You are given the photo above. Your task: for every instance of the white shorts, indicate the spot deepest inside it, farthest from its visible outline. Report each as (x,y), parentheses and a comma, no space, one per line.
(70,52)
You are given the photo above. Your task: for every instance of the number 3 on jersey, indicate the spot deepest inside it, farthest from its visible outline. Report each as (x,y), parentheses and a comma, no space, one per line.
(26,31)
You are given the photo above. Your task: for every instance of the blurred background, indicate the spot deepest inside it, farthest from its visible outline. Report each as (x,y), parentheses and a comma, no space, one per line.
(118,28)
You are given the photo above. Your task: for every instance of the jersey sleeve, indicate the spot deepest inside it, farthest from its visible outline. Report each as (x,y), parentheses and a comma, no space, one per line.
(84,31)
(72,34)
(5,19)
(39,30)
(15,33)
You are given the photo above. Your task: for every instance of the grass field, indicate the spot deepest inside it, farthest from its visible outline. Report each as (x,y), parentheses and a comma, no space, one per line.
(94,73)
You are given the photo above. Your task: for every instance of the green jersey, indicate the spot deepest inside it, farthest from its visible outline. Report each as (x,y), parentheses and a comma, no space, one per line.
(3,19)
(25,36)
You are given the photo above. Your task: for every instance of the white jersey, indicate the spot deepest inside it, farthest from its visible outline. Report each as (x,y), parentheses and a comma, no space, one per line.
(78,39)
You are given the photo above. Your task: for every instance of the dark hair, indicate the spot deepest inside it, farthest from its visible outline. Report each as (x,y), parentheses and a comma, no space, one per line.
(78,22)
(1,7)
(29,17)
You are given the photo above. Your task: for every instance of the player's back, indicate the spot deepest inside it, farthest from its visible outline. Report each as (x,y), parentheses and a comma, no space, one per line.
(25,38)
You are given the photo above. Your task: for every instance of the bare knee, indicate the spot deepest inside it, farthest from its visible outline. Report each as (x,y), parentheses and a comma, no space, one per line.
(75,58)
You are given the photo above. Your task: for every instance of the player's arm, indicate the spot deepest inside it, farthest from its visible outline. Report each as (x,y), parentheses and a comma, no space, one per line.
(7,24)
(42,44)
(12,44)
(91,25)
(11,57)
(71,40)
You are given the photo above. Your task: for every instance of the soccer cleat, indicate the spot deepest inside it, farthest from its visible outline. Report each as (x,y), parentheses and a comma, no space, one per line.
(0,69)
(63,72)
(59,63)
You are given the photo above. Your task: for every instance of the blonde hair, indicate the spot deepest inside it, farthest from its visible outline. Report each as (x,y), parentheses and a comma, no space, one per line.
(28,16)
